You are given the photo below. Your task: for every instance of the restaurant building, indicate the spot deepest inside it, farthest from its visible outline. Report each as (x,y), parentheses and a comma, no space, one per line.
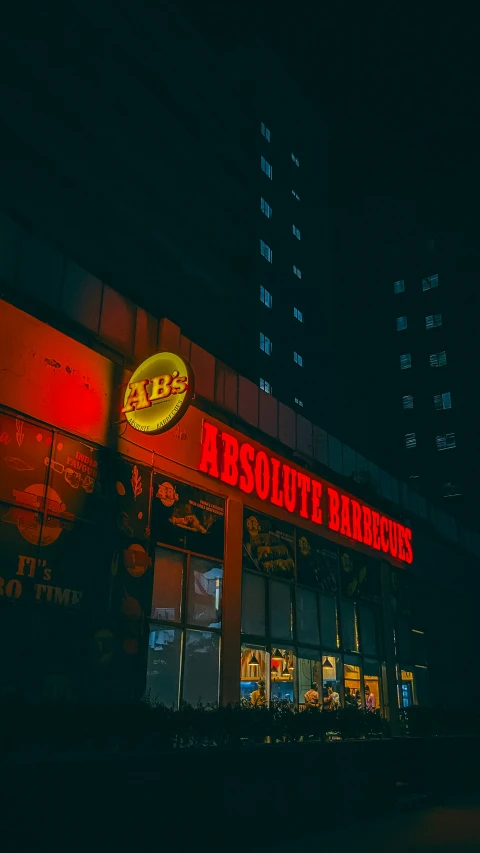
(169,529)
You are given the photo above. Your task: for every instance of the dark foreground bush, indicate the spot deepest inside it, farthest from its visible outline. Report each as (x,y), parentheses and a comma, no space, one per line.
(144,727)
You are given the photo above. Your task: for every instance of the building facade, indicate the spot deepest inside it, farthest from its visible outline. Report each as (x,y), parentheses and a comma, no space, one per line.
(170,174)
(230,550)
(131,564)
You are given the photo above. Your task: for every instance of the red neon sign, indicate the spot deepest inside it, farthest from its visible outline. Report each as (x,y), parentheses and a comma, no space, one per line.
(240,464)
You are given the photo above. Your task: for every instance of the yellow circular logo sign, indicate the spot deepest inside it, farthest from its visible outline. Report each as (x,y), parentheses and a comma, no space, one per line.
(158,393)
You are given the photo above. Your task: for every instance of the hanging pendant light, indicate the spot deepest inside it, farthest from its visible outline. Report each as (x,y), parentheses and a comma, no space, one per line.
(277,655)
(326,664)
(254,664)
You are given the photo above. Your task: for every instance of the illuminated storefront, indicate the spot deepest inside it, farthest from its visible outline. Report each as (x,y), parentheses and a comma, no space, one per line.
(162,552)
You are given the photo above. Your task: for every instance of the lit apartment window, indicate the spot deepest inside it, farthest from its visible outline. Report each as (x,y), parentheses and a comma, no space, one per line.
(265,131)
(433,320)
(297,272)
(407,401)
(405,361)
(265,208)
(443,401)
(450,490)
(299,402)
(438,359)
(296,195)
(298,315)
(295,159)
(399,286)
(265,386)
(265,296)
(429,282)
(298,359)
(266,167)
(446,442)
(401,324)
(266,251)
(296,232)
(265,344)
(410,440)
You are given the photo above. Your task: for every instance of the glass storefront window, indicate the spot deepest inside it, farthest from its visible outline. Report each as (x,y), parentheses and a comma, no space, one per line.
(328,621)
(183,664)
(253,604)
(280,610)
(419,651)
(167,585)
(163,668)
(204,602)
(282,675)
(349,626)
(352,678)
(406,689)
(307,617)
(201,669)
(332,682)
(403,636)
(309,679)
(372,681)
(368,629)
(254,684)
(421,685)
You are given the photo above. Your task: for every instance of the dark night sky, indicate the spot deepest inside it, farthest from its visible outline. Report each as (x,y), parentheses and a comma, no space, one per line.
(401,94)
(403,99)
(399,90)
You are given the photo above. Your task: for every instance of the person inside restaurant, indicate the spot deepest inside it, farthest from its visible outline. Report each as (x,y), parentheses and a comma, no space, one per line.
(370,702)
(311,696)
(259,697)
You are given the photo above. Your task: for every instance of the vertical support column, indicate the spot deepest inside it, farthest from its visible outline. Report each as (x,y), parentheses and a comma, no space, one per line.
(390,689)
(232,604)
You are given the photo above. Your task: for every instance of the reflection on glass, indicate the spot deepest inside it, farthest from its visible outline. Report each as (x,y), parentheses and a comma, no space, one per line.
(368,630)
(253,682)
(352,682)
(280,610)
(163,666)
(282,672)
(200,679)
(307,616)
(253,604)
(407,691)
(331,691)
(167,585)
(328,621)
(349,626)
(309,679)
(205,593)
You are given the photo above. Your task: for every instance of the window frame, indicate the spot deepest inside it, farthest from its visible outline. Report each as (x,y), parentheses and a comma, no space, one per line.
(266,251)
(266,348)
(265,208)
(183,624)
(266,297)
(266,167)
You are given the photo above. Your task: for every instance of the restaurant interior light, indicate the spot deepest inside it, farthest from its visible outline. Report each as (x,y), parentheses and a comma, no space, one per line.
(254,664)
